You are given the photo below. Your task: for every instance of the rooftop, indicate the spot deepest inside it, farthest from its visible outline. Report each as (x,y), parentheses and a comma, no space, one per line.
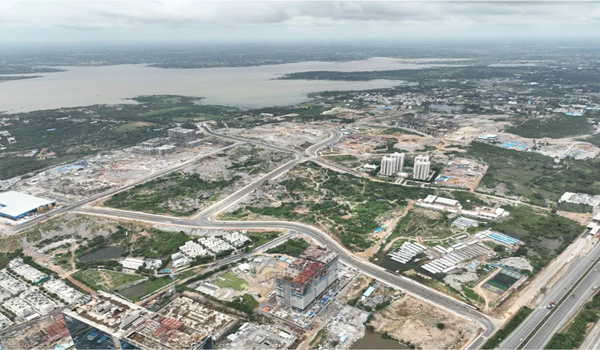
(182,324)
(14,204)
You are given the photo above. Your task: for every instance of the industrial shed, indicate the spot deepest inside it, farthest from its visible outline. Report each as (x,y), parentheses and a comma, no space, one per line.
(16,205)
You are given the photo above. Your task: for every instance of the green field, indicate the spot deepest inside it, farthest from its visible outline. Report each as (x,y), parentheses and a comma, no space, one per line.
(557,127)
(229,280)
(136,292)
(105,280)
(535,176)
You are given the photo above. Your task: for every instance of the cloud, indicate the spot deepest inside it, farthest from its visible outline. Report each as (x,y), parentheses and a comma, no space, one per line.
(248,18)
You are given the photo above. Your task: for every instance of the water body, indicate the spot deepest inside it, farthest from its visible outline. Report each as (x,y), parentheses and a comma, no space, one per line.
(102,253)
(235,86)
(373,340)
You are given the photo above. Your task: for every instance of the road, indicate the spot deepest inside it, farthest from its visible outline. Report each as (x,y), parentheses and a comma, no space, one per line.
(203,220)
(562,312)
(75,205)
(592,341)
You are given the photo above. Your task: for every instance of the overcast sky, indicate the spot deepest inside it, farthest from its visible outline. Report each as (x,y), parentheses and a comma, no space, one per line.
(35,21)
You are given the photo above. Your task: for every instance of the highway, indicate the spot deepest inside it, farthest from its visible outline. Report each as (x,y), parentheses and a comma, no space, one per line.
(562,312)
(592,341)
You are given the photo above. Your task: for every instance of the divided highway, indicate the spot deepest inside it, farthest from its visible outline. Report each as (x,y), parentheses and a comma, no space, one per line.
(563,312)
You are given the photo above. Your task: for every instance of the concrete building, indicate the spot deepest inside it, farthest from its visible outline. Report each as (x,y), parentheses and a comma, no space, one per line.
(261,336)
(64,292)
(5,322)
(16,205)
(306,278)
(11,284)
(215,245)
(109,322)
(193,250)
(132,263)
(182,137)
(28,273)
(391,165)
(422,167)
(236,239)
(41,303)
(20,308)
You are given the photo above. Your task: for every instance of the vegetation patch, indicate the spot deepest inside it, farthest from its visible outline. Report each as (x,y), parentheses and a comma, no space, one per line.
(105,280)
(557,127)
(573,335)
(292,247)
(497,338)
(535,176)
(349,207)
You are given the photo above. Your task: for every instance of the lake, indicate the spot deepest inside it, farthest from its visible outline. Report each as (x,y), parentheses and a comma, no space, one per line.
(373,340)
(102,253)
(235,86)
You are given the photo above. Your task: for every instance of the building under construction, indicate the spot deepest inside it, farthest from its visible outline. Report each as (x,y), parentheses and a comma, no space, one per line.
(182,137)
(306,278)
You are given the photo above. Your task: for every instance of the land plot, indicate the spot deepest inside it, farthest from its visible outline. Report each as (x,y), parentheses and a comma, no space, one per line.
(556,127)
(105,280)
(414,321)
(534,176)
(348,207)
(185,192)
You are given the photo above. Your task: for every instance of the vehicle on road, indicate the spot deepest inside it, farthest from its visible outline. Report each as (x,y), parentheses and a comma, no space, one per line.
(550,305)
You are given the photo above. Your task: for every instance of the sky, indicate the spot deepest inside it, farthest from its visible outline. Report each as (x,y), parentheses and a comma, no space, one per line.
(186,20)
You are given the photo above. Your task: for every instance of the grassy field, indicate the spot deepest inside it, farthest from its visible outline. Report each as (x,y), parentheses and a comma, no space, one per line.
(424,223)
(557,127)
(545,234)
(535,176)
(105,280)
(135,293)
(229,280)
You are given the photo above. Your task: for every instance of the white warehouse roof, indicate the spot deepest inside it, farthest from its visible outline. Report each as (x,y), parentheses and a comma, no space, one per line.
(15,205)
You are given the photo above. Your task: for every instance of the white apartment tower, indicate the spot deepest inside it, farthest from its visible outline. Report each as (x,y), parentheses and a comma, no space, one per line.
(391,165)
(421,168)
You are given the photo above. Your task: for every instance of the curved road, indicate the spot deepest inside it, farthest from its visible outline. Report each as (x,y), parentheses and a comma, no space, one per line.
(203,220)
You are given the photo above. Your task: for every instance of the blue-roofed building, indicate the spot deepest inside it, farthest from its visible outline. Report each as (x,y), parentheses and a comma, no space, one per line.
(368,292)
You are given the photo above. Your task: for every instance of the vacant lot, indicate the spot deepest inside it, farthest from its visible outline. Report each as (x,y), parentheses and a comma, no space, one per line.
(185,192)
(348,207)
(557,127)
(424,223)
(414,321)
(534,176)
(105,280)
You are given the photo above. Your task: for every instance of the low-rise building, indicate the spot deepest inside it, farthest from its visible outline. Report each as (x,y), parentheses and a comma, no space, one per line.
(64,292)
(5,322)
(19,307)
(236,239)
(11,284)
(132,263)
(41,303)
(28,273)
(193,250)
(108,321)
(215,245)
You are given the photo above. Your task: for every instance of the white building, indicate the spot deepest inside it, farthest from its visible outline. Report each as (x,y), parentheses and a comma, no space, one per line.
(11,284)
(66,293)
(18,307)
(28,273)
(391,165)
(179,260)
(5,322)
(132,263)
(41,303)
(214,244)
(421,168)
(193,250)
(236,239)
